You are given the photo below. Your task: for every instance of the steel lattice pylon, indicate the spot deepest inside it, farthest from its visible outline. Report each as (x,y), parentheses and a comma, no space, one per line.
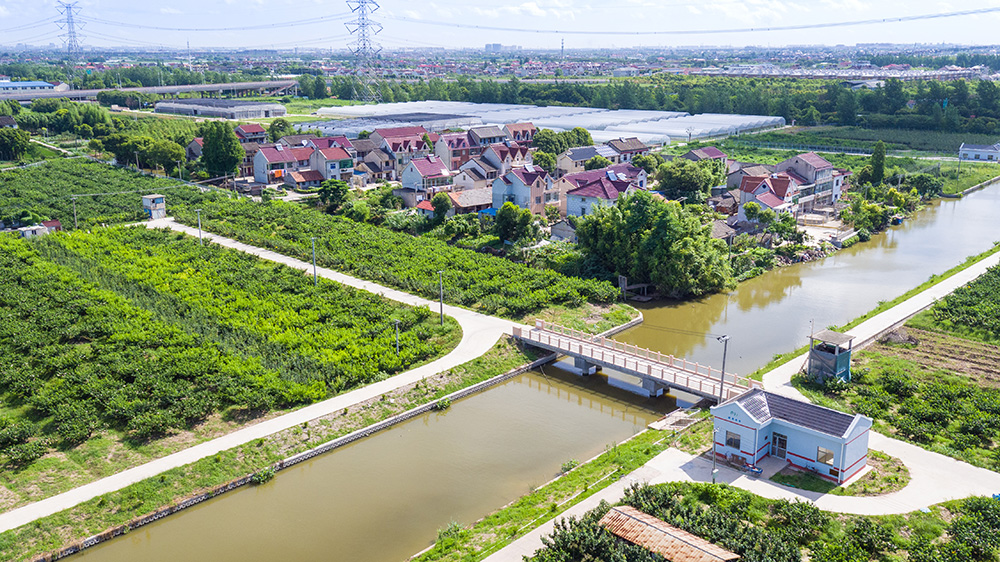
(69,10)
(365,49)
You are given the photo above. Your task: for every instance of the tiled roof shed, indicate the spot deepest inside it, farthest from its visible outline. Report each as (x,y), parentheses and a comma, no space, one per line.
(657,536)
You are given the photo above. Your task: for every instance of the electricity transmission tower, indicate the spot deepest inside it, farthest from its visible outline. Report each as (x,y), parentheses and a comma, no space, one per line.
(69,10)
(365,49)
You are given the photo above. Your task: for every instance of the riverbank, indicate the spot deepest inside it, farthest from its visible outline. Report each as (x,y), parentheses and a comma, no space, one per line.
(493,533)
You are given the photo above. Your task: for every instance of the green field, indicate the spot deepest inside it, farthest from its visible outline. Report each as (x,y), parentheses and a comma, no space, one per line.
(937,142)
(114,339)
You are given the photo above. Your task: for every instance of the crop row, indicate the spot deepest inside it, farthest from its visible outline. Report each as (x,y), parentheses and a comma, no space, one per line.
(974,307)
(494,285)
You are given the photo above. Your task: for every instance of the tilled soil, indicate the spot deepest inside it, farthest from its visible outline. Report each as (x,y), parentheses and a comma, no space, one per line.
(933,350)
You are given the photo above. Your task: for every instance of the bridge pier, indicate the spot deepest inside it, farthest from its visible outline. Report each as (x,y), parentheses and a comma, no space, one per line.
(654,388)
(583,367)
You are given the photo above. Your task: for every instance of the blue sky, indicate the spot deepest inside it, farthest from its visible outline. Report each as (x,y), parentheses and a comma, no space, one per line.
(402,28)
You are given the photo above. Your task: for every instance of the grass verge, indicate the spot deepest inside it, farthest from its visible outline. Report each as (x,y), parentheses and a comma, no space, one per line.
(116,508)
(888,474)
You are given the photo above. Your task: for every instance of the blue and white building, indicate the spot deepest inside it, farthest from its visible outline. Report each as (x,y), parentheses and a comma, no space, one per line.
(758,424)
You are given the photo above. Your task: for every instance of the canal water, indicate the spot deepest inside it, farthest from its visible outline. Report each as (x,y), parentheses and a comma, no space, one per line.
(775,312)
(384,497)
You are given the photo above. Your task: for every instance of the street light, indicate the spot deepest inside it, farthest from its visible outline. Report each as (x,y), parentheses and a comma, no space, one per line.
(441,293)
(314,258)
(179,175)
(715,454)
(397,337)
(200,241)
(724,340)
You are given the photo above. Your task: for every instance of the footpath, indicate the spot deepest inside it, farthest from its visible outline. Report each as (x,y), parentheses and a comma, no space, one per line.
(479,333)
(934,478)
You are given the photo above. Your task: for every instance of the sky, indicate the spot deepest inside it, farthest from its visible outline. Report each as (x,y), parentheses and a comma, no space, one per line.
(452,23)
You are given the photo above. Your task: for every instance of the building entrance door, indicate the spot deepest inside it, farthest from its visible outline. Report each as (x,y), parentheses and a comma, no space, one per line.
(779,444)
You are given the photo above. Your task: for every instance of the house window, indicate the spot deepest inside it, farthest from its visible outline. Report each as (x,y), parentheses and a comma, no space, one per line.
(732,440)
(824,456)
(538,200)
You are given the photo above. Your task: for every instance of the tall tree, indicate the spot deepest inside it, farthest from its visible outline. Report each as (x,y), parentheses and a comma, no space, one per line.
(684,178)
(279,128)
(222,151)
(319,88)
(878,163)
(596,163)
(14,144)
(544,160)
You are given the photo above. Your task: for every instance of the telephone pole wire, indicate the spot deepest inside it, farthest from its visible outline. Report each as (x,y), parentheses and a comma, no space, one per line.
(365,49)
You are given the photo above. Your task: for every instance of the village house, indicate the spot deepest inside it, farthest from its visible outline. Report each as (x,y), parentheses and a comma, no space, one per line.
(250,150)
(296,141)
(333,163)
(378,165)
(987,152)
(470,200)
(776,192)
(623,172)
(251,132)
(481,137)
(507,155)
(361,148)
(758,424)
(422,178)
(602,191)
(706,153)
(477,173)
(7,122)
(454,149)
(573,160)
(814,179)
(529,187)
(563,230)
(194,148)
(629,148)
(404,144)
(740,170)
(271,163)
(306,179)
(520,132)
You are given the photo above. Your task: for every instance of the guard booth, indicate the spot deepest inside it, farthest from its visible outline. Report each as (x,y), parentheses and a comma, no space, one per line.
(155,206)
(829,356)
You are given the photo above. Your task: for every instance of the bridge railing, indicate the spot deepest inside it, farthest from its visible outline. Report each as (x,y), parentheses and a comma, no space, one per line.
(539,334)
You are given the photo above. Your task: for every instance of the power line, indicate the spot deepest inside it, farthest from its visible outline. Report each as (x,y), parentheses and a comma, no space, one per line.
(310,21)
(33,25)
(365,48)
(69,10)
(897,19)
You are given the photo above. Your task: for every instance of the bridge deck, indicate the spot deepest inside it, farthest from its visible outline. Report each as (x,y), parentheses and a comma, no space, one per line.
(668,370)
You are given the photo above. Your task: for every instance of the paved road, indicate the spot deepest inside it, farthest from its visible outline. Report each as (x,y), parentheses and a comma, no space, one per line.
(479,334)
(934,478)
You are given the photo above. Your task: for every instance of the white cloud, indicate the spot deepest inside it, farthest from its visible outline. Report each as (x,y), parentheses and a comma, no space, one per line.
(170,11)
(4,12)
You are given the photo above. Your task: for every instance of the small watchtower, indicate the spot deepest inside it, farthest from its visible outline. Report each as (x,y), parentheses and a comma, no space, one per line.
(829,356)
(155,206)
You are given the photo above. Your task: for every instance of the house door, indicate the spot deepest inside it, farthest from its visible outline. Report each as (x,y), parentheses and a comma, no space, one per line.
(779,444)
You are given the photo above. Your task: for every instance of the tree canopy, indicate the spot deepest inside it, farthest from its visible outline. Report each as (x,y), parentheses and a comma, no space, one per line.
(222,151)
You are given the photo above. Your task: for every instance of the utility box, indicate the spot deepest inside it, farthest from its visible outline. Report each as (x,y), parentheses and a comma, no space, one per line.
(829,356)
(155,206)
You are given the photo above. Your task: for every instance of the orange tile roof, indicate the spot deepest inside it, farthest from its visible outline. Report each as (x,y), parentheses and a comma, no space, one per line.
(657,536)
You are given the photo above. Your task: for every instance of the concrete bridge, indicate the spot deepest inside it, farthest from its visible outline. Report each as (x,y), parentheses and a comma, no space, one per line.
(658,372)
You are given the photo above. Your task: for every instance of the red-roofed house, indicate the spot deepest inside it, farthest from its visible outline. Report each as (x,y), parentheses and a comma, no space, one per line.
(454,149)
(529,187)
(425,208)
(306,179)
(402,149)
(331,142)
(422,178)
(520,132)
(507,155)
(334,163)
(706,153)
(251,132)
(271,163)
(816,180)
(600,191)
(628,148)
(776,192)
(381,134)
(193,150)
(622,172)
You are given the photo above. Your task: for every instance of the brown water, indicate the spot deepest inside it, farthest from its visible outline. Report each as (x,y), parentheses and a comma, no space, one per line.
(383,498)
(772,313)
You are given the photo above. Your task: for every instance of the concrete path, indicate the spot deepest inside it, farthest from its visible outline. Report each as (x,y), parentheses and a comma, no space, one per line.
(934,478)
(479,334)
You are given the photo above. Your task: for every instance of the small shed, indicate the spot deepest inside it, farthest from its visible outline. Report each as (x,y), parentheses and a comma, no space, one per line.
(658,536)
(829,356)
(155,206)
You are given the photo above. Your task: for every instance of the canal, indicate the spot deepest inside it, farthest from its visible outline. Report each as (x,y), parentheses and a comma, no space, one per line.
(383,498)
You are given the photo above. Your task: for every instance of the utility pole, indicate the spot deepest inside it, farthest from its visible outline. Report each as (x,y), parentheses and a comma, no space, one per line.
(365,49)
(136,160)
(314,259)
(397,337)
(724,340)
(441,293)
(200,241)
(179,176)
(75,224)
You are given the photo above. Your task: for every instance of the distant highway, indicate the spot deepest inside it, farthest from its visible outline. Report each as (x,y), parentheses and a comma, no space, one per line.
(77,95)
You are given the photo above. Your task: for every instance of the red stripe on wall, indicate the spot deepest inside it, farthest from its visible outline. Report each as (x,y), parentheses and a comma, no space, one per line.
(762,446)
(852,475)
(734,423)
(856,462)
(820,474)
(800,456)
(852,440)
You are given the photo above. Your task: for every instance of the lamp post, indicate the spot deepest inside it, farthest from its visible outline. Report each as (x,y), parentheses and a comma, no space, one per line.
(179,175)
(441,293)
(724,340)
(200,241)
(715,455)
(314,259)
(397,337)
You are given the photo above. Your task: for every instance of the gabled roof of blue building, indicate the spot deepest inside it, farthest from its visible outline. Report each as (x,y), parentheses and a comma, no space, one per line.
(764,406)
